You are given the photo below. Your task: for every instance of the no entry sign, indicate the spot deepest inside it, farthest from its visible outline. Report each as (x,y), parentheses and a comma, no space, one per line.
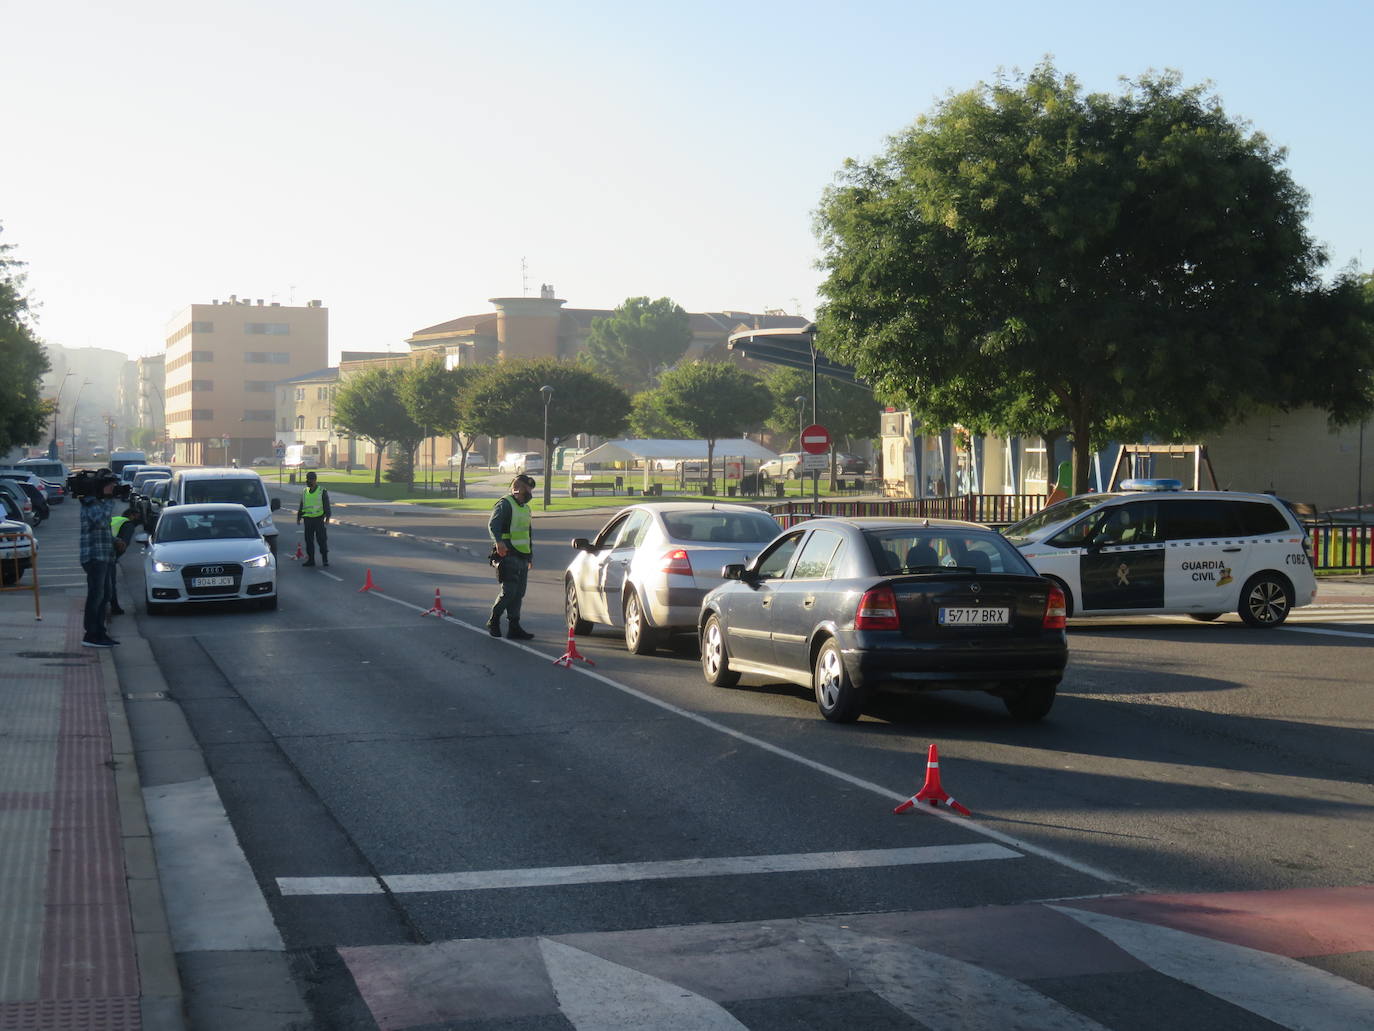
(815,440)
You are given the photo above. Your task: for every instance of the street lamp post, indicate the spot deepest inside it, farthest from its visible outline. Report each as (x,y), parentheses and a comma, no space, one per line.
(547,392)
(56,403)
(801,405)
(84,384)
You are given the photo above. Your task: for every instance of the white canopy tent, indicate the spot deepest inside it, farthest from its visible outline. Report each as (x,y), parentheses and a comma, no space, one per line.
(648,452)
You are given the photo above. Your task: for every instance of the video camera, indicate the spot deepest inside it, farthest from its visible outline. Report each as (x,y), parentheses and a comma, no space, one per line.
(90,483)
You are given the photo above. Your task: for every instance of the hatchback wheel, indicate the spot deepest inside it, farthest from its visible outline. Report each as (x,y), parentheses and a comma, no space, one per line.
(1204,617)
(640,637)
(715,655)
(1265,601)
(1032,702)
(573,611)
(838,698)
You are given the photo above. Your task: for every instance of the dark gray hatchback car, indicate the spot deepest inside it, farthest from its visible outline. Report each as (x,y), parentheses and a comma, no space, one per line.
(850,606)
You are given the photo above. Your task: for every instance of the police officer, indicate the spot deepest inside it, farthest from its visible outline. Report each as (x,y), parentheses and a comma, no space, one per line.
(513,544)
(122,529)
(314,510)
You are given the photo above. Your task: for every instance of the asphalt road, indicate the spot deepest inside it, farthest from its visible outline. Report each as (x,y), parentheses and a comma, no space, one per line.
(452,831)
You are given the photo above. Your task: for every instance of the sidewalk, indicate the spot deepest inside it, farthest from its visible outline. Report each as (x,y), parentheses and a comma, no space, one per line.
(83,936)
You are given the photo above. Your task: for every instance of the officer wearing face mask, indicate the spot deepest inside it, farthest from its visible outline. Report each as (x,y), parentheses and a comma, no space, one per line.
(513,548)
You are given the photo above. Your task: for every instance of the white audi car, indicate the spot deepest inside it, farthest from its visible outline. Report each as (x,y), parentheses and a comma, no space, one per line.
(204,553)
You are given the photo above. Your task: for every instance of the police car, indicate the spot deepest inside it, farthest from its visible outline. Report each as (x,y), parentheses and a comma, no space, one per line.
(1152,547)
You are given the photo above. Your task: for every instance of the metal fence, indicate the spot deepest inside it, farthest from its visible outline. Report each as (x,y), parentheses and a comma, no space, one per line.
(1335,546)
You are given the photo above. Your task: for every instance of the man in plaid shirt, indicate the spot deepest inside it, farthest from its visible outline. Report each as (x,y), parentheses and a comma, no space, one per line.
(97,559)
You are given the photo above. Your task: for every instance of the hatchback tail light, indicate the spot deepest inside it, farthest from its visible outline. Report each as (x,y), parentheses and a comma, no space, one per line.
(877,610)
(677,562)
(1056,612)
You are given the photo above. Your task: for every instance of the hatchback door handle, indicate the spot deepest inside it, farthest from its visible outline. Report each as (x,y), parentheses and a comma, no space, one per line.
(1230,549)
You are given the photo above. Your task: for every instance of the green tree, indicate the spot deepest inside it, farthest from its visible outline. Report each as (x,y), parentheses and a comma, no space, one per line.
(465,433)
(1030,257)
(429,392)
(23,410)
(370,406)
(648,420)
(639,341)
(712,400)
(505,400)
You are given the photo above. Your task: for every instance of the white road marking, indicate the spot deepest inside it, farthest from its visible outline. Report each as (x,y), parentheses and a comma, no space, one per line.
(594,993)
(213,900)
(1286,991)
(830,771)
(1323,632)
(608,873)
(946,994)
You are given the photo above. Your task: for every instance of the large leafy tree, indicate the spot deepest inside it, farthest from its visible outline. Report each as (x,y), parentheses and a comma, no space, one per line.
(371,405)
(505,400)
(712,400)
(429,392)
(638,342)
(1030,257)
(23,411)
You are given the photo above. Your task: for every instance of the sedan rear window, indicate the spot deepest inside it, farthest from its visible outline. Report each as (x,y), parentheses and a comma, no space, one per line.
(907,551)
(721,527)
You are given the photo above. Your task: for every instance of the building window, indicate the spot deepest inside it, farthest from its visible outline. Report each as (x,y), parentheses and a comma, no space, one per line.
(257,415)
(202,384)
(266,357)
(300,393)
(300,422)
(257,386)
(321,393)
(202,327)
(202,413)
(321,422)
(273,329)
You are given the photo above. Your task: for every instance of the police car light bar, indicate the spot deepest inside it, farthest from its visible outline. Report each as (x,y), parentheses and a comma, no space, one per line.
(1151,484)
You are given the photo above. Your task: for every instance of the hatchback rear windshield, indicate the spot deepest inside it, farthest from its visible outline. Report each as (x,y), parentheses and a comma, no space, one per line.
(916,551)
(234,491)
(47,470)
(721,527)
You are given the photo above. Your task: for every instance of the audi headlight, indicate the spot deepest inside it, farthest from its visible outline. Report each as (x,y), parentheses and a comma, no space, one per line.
(160,566)
(264,522)
(259,562)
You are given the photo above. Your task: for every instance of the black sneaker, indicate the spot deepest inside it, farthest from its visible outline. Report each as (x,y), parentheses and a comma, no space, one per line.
(494,629)
(105,642)
(108,641)
(518,633)
(115,610)
(308,562)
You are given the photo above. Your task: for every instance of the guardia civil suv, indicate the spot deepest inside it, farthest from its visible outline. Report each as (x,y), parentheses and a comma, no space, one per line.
(1152,547)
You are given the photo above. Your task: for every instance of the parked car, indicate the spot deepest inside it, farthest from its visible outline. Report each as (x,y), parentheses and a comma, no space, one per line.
(22,503)
(53,473)
(264,460)
(650,566)
(132,471)
(151,499)
(787,466)
(851,465)
(846,607)
(208,553)
(227,486)
(34,487)
(16,552)
(531,462)
(1153,547)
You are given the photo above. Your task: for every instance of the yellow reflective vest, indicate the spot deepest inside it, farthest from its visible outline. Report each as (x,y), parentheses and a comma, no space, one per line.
(312,503)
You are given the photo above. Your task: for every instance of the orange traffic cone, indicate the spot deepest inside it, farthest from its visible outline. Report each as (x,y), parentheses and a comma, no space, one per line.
(566,659)
(437,609)
(368,585)
(299,553)
(931,791)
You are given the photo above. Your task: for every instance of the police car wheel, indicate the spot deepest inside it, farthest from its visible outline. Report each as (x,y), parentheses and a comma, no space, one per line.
(1266,600)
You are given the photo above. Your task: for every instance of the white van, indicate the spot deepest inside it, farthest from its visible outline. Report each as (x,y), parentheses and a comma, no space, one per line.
(226,486)
(302,456)
(1154,548)
(121,457)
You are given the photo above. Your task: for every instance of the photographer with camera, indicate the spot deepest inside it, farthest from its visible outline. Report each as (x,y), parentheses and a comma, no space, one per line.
(97,492)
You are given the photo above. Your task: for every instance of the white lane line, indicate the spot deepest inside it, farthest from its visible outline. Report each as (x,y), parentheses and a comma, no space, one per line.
(336,579)
(213,900)
(867,785)
(947,994)
(1286,991)
(595,994)
(611,873)
(258,631)
(1323,632)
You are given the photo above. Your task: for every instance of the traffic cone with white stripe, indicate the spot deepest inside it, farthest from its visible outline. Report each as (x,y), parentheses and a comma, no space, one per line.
(299,553)
(437,609)
(368,585)
(566,659)
(931,791)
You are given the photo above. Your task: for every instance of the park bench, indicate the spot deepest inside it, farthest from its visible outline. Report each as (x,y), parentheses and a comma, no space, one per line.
(448,489)
(585,484)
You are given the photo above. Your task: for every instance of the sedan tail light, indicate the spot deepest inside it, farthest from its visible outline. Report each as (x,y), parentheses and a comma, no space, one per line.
(877,610)
(677,562)
(1055,611)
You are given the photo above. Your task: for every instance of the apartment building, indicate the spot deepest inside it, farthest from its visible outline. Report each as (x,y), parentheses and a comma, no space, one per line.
(150,413)
(223,361)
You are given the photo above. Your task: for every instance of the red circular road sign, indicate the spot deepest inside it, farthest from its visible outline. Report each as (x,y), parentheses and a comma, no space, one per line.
(815,440)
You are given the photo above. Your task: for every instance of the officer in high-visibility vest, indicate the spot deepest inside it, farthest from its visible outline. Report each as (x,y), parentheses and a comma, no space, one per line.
(122,529)
(314,511)
(513,546)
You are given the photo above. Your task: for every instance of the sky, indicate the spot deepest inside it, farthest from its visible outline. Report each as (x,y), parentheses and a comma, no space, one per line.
(405,161)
